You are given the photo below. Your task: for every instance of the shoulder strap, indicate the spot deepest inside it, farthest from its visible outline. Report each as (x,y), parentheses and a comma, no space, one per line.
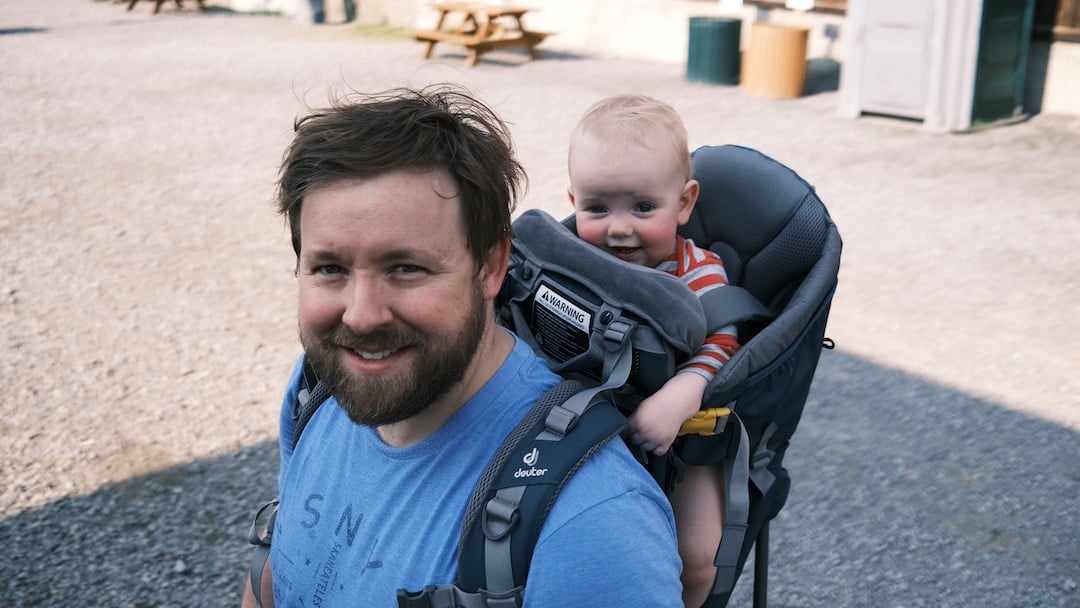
(517,490)
(313,392)
(311,395)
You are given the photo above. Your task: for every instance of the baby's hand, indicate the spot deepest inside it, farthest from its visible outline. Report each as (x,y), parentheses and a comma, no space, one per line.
(653,427)
(655,424)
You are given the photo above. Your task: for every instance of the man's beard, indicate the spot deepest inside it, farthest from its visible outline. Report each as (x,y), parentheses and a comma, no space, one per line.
(441,362)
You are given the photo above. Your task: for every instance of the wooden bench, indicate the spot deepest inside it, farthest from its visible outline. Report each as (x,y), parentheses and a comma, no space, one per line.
(482,28)
(476,45)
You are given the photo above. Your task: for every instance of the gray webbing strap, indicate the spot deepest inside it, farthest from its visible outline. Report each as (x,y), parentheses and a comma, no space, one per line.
(737,480)
(500,513)
(260,535)
(259,557)
(760,474)
(562,417)
(499,518)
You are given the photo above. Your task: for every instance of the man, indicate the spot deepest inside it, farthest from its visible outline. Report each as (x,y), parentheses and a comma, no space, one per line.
(314,11)
(399,207)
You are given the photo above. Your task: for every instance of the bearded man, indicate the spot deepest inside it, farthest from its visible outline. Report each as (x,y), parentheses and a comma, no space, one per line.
(399,207)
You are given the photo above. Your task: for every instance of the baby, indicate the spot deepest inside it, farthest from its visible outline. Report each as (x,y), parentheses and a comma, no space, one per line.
(631,188)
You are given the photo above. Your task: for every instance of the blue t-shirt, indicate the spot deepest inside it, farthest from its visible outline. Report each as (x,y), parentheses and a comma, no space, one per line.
(359,519)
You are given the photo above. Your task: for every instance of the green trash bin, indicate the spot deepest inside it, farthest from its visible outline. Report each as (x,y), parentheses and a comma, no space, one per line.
(713,52)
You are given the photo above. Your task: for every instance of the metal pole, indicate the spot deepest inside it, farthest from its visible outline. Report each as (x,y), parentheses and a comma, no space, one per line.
(761,567)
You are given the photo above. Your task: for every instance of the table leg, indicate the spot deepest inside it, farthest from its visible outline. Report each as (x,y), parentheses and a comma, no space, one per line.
(468,25)
(442,18)
(533,40)
(483,28)
(438,27)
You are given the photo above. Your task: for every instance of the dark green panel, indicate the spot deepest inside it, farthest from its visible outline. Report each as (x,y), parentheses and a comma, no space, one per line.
(1004,39)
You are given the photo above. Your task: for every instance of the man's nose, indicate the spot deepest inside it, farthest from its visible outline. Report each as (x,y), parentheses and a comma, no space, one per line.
(367,306)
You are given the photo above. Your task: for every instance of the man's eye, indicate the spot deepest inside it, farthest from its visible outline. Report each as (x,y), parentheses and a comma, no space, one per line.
(329,269)
(407,269)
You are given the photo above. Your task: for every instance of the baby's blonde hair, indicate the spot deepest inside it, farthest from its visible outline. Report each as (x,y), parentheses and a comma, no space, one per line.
(639,118)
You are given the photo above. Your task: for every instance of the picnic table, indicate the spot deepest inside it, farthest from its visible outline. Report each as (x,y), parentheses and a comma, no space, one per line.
(480,28)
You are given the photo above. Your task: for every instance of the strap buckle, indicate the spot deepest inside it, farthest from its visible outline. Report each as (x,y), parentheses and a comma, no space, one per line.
(499,518)
(561,420)
(446,596)
(416,599)
(262,525)
(706,422)
(512,598)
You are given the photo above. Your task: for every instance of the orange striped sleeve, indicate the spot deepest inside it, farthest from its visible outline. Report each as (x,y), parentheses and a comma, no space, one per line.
(702,271)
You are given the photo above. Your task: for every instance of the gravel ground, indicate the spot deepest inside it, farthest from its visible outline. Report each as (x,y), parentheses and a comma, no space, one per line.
(146,309)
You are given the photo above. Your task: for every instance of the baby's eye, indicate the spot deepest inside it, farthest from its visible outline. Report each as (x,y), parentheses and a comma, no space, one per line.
(596,210)
(645,207)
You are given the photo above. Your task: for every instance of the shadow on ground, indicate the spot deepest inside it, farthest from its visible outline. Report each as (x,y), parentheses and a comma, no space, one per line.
(904,493)
(22,30)
(192,7)
(174,538)
(507,58)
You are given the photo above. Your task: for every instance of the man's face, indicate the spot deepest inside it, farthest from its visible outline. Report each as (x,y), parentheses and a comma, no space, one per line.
(391,303)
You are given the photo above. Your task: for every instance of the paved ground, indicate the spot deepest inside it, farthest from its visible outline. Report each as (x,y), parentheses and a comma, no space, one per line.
(146,309)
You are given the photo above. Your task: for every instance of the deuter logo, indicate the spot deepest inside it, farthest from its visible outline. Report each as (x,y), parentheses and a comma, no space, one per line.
(530,460)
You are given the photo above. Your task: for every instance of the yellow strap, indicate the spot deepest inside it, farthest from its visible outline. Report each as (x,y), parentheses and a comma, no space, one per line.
(706,422)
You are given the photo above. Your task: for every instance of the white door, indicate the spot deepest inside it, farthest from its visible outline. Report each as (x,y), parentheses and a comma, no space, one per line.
(888,56)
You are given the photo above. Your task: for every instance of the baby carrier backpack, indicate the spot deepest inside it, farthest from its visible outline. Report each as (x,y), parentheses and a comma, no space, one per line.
(608,323)
(616,333)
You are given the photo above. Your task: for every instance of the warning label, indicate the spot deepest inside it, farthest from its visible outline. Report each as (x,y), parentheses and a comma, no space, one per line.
(561,326)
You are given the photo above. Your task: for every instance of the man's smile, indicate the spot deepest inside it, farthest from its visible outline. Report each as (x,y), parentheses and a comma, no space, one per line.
(374,356)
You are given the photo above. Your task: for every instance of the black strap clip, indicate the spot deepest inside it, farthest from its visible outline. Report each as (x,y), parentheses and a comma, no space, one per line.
(262,525)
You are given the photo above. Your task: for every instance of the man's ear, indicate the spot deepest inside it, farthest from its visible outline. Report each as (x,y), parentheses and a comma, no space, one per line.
(493,270)
(687,200)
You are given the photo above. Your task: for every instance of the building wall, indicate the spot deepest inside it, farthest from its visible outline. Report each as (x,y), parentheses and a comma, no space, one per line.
(254,6)
(1053,79)
(658,30)
(654,30)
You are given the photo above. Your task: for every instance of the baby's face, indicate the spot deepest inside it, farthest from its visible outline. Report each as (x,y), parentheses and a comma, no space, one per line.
(628,199)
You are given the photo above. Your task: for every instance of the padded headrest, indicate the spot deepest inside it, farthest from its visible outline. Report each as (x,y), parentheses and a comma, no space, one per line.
(764,220)
(657,297)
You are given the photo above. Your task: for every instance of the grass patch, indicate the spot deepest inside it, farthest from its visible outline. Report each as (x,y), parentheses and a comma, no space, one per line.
(380,30)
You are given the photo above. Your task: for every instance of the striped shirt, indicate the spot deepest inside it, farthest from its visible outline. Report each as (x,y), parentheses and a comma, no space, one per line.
(702,271)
